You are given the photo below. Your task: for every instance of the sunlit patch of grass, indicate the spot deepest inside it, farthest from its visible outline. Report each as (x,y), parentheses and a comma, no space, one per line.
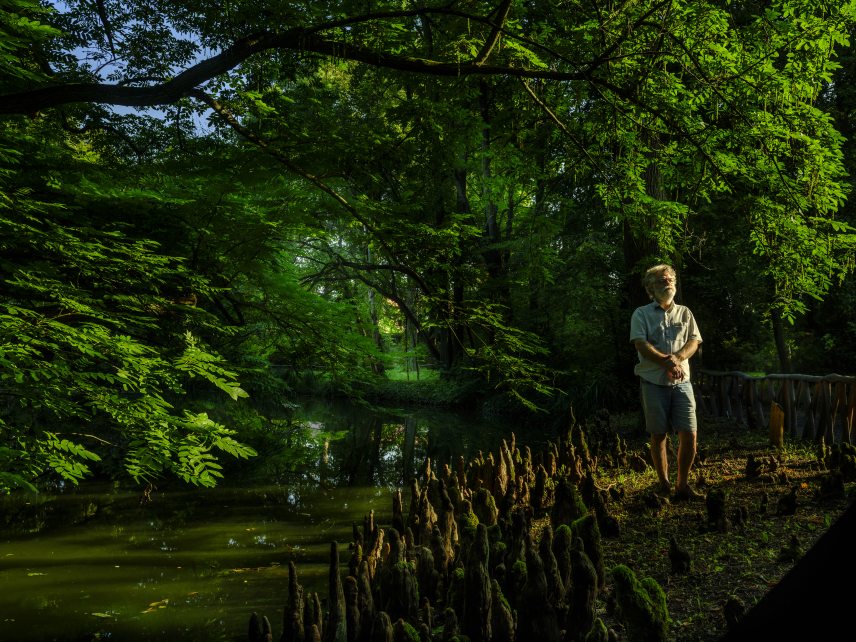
(401,374)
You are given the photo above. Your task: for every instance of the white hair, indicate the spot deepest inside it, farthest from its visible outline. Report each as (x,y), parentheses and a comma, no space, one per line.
(651,275)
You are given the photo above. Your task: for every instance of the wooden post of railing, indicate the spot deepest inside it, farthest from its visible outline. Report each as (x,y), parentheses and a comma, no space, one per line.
(814,407)
(810,427)
(850,415)
(736,385)
(823,422)
(777,425)
(788,399)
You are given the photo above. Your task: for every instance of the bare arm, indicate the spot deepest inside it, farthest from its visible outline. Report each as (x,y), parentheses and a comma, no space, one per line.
(662,359)
(651,353)
(688,350)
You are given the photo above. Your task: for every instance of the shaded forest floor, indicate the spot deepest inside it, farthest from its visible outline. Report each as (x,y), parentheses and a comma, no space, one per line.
(743,558)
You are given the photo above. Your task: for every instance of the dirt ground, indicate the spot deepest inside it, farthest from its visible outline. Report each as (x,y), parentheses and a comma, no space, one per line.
(742,558)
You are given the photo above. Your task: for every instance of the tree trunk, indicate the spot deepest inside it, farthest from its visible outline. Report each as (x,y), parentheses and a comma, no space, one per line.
(781,345)
(492,256)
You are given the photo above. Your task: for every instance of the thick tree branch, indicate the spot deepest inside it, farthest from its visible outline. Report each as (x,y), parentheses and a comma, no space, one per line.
(297,40)
(490,43)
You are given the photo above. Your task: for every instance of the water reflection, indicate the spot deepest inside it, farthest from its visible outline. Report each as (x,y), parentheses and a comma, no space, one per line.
(93,563)
(387,447)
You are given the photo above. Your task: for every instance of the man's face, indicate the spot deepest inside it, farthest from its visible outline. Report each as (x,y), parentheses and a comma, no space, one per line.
(664,287)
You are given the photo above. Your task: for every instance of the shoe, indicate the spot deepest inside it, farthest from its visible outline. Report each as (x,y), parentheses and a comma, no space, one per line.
(664,489)
(687,494)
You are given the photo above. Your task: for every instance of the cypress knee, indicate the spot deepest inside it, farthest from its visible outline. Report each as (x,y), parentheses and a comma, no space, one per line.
(503,625)
(352,608)
(382,628)
(335,629)
(555,588)
(259,629)
(477,600)
(582,611)
(562,542)
(292,617)
(538,620)
(586,529)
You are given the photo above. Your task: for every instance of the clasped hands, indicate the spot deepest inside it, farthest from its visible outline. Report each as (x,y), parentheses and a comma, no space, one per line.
(673,367)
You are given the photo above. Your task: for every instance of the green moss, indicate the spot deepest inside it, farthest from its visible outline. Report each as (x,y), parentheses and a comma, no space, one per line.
(498,596)
(457,590)
(599,632)
(468,521)
(410,634)
(641,606)
(484,507)
(494,534)
(657,597)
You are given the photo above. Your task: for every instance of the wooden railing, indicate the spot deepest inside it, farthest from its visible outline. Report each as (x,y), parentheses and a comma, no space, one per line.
(814,407)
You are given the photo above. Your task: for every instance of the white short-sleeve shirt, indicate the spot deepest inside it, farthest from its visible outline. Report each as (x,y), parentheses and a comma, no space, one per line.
(668,331)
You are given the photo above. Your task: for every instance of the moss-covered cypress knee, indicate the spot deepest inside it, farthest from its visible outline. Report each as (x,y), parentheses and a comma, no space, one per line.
(641,606)
(716,503)
(404,632)
(456,594)
(426,517)
(382,628)
(427,576)
(538,619)
(586,528)
(450,625)
(503,621)
(598,633)
(555,587)
(568,505)
(562,541)
(399,589)
(583,595)
(484,506)
(538,495)
(477,600)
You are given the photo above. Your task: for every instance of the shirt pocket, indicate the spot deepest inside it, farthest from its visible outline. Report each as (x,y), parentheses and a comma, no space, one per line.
(675,330)
(659,334)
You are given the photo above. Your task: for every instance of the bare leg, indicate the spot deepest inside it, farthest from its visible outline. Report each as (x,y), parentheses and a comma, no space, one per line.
(686,456)
(659,458)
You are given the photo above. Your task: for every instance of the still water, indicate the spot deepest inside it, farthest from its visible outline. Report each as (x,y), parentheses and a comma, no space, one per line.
(101,563)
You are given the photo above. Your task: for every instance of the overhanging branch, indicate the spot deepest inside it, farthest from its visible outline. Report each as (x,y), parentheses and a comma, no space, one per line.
(298,40)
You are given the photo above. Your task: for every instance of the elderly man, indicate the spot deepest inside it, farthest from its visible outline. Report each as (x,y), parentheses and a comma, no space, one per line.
(665,335)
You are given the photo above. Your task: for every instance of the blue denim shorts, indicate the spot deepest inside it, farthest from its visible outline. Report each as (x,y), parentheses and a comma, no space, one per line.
(669,407)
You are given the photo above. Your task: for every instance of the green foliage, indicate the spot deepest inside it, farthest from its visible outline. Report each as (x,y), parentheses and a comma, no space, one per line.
(89,364)
(313,220)
(22,23)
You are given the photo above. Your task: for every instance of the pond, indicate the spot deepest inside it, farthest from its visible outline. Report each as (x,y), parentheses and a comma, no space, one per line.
(101,563)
